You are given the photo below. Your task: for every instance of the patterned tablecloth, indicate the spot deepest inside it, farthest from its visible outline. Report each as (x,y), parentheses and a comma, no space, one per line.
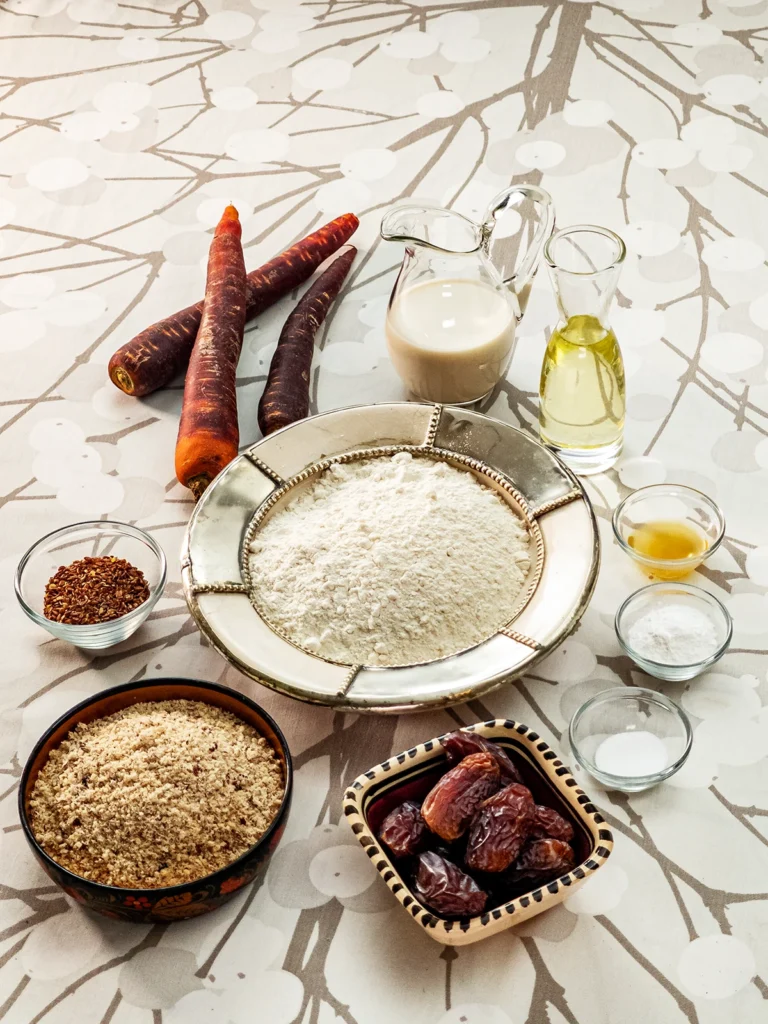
(124,128)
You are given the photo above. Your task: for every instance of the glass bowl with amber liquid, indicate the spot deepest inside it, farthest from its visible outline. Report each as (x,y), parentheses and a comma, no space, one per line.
(668,529)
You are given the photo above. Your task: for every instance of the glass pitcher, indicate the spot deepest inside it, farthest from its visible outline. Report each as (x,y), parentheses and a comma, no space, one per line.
(453,311)
(582,392)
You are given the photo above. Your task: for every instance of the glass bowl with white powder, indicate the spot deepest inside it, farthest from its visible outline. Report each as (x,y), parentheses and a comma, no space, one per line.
(630,738)
(673,631)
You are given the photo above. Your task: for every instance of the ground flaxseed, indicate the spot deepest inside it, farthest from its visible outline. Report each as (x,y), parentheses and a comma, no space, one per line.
(93,590)
(158,794)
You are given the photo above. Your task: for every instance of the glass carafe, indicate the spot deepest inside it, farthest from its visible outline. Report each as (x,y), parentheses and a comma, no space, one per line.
(582,391)
(453,311)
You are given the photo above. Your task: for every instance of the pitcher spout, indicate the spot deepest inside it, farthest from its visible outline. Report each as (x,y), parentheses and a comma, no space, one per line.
(438,229)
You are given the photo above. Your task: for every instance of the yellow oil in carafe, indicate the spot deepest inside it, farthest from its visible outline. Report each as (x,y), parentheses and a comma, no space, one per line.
(669,540)
(582,391)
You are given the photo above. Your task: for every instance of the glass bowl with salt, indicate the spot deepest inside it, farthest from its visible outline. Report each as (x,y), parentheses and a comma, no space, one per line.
(630,738)
(673,631)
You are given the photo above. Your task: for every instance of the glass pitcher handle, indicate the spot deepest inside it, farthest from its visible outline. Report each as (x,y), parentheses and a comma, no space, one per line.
(521,280)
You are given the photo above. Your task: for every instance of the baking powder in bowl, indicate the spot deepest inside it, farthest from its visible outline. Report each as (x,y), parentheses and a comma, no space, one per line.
(673,634)
(390,561)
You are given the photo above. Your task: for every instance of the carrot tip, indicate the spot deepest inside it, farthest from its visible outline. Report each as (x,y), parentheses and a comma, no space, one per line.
(229,223)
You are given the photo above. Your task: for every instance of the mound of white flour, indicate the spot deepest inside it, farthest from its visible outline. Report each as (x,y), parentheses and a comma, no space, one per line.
(390,561)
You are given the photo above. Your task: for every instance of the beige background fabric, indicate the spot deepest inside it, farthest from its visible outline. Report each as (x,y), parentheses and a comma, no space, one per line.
(124,128)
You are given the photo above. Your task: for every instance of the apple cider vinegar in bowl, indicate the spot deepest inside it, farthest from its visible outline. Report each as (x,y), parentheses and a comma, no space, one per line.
(668,530)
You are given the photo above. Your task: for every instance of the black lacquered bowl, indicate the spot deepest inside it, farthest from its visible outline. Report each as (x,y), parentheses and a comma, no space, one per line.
(176,902)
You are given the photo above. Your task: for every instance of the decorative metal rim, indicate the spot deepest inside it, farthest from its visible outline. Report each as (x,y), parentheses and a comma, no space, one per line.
(415,700)
(428,451)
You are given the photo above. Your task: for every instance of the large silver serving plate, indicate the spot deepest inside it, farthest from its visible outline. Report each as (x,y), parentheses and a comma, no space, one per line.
(551,501)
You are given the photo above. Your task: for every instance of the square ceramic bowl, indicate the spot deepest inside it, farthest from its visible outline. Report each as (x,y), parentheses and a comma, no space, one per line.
(410,776)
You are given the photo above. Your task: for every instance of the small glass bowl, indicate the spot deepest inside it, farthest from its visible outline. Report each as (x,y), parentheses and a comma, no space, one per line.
(630,765)
(675,503)
(656,595)
(79,541)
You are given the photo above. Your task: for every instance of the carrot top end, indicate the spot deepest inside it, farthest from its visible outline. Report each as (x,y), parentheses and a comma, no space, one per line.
(198,485)
(121,379)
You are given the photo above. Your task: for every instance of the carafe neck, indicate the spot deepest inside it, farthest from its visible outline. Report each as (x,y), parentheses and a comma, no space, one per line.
(581,295)
(584,263)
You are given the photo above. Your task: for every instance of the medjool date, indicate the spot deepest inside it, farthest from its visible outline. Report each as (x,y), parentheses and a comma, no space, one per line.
(547,823)
(451,803)
(544,859)
(446,889)
(404,831)
(459,744)
(499,829)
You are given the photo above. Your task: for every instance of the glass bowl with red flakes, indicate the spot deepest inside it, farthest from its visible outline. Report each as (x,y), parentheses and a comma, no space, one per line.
(92,584)
(478,830)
